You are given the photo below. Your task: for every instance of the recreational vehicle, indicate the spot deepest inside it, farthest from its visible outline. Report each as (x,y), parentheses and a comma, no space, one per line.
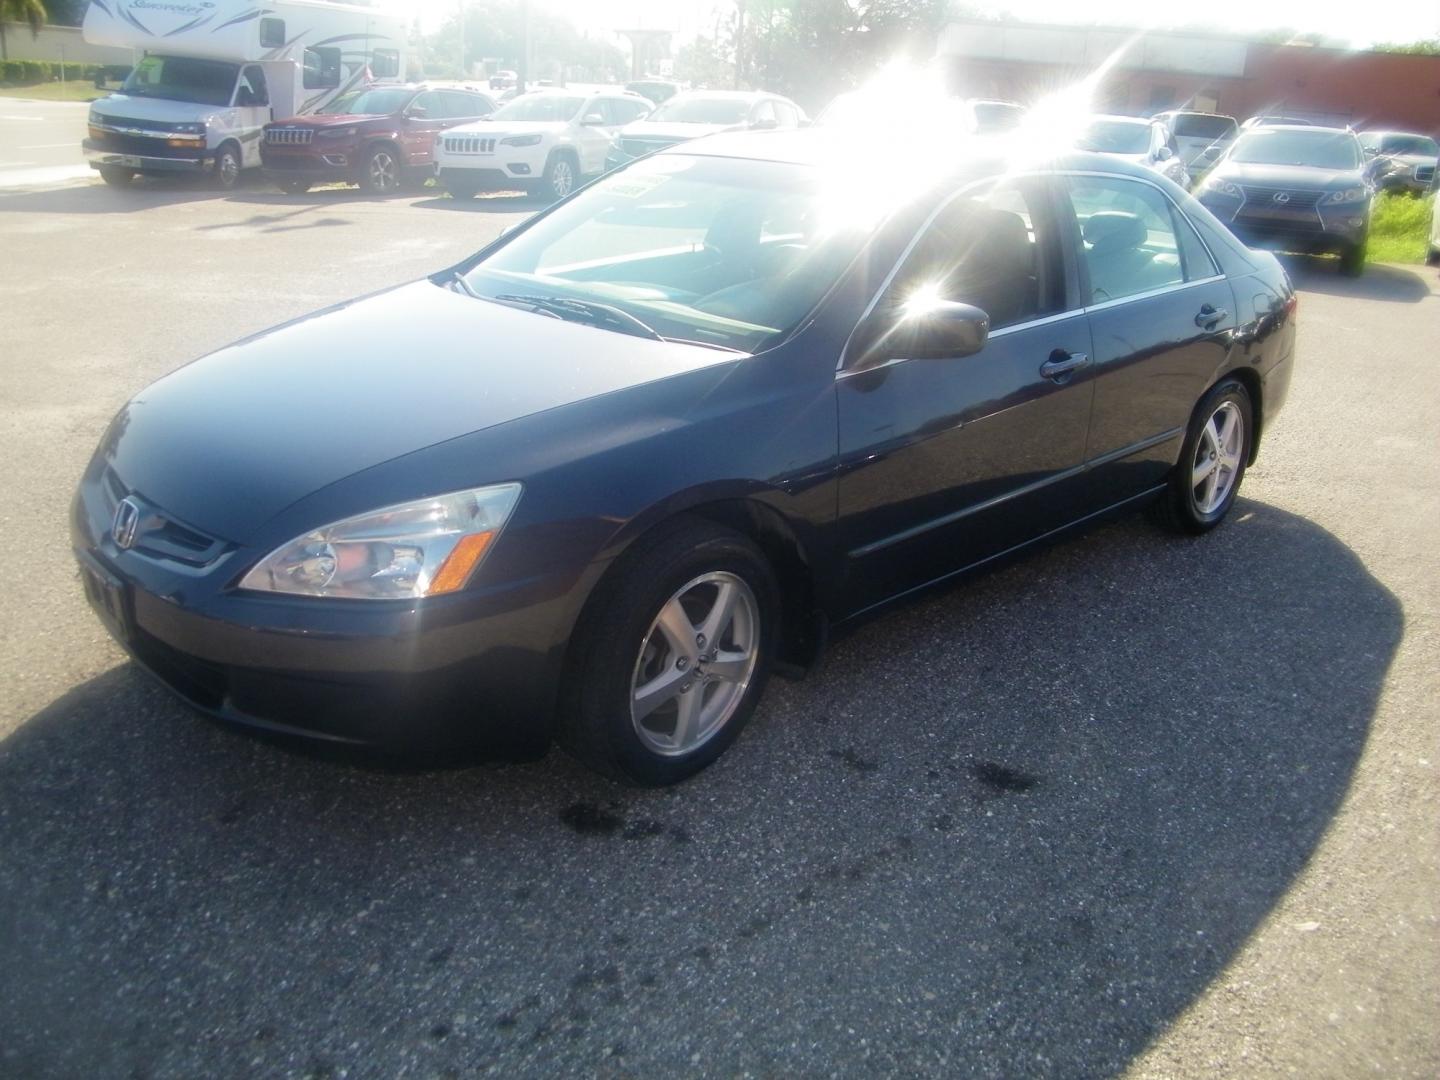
(209,76)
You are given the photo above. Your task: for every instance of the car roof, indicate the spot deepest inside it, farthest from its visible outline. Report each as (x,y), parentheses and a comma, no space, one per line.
(1116,117)
(736,95)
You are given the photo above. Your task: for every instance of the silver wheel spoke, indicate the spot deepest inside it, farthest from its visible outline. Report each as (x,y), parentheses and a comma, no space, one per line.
(657,691)
(677,628)
(687,717)
(720,615)
(1204,469)
(729,666)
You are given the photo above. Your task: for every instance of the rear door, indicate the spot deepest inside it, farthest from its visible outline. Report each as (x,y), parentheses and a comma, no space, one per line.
(946,462)
(1162,321)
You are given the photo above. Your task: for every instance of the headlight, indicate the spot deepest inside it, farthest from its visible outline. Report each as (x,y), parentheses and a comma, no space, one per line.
(404,552)
(189,129)
(1222,187)
(1347,195)
(521,140)
(334,133)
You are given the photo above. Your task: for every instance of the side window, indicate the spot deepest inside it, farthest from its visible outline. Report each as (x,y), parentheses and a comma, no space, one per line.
(272,33)
(428,106)
(322,69)
(1194,259)
(1127,236)
(385,63)
(252,90)
(763,115)
(786,114)
(623,110)
(989,247)
(459,106)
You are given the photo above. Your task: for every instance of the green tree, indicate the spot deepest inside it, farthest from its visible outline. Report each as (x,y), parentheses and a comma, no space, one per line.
(31,12)
(1416,48)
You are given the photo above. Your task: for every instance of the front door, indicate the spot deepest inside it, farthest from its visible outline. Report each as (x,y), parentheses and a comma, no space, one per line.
(945,462)
(252,113)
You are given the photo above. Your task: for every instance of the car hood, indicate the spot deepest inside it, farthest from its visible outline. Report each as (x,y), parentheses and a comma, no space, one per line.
(665,129)
(331,120)
(1411,160)
(1303,176)
(128,107)
(231,440)
(502,128)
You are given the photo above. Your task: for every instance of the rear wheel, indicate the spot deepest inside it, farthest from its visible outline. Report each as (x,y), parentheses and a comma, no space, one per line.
(115,176)
(672,655)
(380,175)
(227,168)
(1212,462)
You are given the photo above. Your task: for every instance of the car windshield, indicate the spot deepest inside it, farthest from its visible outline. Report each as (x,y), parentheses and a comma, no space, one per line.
(544,107)
(1203,126)
(688,109)
(370,103)
(1409,144)
(182,78)
(1115,137)
(994,116)
(1317,149)
(716,251)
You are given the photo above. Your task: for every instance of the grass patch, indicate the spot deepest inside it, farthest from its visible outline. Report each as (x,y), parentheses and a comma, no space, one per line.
(70,90)
(1399,228)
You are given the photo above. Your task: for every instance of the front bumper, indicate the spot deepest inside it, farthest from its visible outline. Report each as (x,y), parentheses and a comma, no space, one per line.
(331,163)
(1313,229)
(475,670)
(182,161)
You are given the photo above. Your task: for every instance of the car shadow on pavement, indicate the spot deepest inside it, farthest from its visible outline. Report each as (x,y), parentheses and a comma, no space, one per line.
(1379,282)
(1011,829)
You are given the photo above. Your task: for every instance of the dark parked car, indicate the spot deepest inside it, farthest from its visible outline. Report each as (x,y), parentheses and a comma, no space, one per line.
(379,138)
(657,90)
(1404,161)
(597,480)
(1302,189)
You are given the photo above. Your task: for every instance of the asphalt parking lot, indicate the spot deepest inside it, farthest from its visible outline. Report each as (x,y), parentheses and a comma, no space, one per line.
(1135,806)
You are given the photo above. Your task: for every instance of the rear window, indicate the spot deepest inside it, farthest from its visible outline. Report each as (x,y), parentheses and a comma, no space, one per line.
(1203,126)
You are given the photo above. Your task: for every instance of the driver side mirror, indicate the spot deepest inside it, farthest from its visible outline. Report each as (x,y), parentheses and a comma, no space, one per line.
(1371,151)
(940,330)
(593,119)
(1164,154)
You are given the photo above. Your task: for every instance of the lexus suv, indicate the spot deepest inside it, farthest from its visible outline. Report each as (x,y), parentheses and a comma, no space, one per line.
(545,143)
(1404,161)
(380,138)
(1297,188)
(702,112)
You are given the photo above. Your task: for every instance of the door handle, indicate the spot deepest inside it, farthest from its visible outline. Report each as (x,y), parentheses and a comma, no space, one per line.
(1209,316)
(1062,365)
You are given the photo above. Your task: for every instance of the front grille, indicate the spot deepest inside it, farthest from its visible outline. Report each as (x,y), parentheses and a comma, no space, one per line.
(143,146)
(292,136)
(1294,198)
(160,128)
(1425,173)
(159,535)
(469,144)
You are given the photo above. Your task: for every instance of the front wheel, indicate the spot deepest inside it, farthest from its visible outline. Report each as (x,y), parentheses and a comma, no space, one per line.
(115,176)
(227,168)
(380,175)
(1352,261)
(1212,462)
(561,174)
(672,655)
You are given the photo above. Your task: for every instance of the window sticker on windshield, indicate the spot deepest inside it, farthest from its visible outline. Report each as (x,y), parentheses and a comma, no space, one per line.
(632,184)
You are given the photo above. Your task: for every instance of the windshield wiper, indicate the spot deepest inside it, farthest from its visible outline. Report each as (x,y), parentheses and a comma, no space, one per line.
(589,312)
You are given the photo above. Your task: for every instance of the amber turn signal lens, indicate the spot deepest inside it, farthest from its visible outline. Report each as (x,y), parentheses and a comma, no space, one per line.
(455,570)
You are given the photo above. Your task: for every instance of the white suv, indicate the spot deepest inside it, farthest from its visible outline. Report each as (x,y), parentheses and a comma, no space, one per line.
(545,143)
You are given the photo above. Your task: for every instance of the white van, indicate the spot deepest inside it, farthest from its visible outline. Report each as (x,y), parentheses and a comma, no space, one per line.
(213,74)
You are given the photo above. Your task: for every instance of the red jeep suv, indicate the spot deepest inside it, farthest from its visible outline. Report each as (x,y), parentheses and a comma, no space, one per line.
(380,138)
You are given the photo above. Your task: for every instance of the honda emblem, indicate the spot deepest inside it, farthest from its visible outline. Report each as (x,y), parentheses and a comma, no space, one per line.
(125,523)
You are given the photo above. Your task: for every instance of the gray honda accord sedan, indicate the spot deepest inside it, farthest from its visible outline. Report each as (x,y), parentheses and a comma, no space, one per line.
(596,482)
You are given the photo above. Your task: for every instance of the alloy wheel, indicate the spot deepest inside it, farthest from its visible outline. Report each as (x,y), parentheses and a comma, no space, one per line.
(384,176)
(1217,458)
(562,178)
(695,664)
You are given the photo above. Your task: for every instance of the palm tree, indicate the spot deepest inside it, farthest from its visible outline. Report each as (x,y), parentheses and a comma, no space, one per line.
(26,11)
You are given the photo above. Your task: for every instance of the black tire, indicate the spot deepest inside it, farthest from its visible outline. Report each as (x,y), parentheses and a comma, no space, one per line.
(115,176)
(612,646)
(1352,261)
(1179,508)
(380,172)
(293,187)
(459,188)
(1432,256)
(562,176)
(226,173)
